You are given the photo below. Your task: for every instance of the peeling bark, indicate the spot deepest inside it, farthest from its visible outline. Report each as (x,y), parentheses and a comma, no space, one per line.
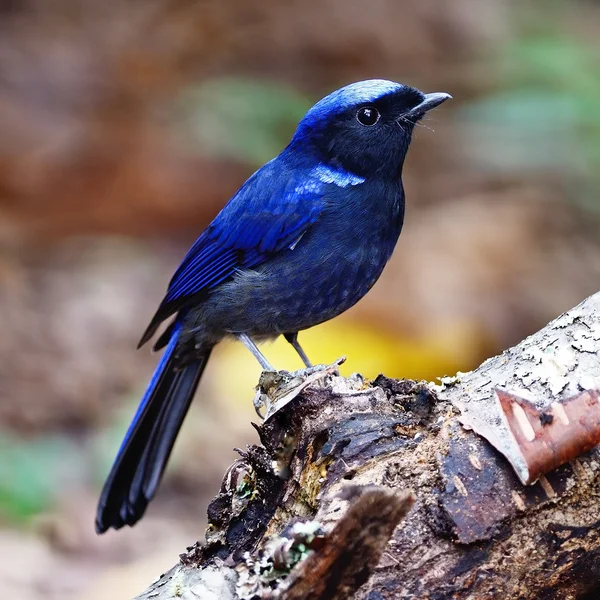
(312,512)
(551,437)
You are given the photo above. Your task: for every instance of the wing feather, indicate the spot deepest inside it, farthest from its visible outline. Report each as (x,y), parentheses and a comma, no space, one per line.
(269,213)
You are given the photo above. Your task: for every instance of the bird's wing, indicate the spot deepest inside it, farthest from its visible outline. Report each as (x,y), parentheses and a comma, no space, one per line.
(269,213)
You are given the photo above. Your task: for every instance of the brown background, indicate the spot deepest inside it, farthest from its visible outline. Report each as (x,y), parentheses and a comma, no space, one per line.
(125,126)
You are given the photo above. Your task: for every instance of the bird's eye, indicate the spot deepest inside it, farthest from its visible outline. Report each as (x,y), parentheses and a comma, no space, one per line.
(367,116)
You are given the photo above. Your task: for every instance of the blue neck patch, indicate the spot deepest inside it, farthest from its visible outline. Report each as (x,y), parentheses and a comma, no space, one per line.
(338,177)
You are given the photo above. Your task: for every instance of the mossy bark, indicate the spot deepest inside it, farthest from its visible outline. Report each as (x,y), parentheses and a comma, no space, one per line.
(312,512)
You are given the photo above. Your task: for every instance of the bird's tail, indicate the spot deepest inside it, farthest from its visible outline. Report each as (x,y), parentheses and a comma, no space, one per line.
(143,455)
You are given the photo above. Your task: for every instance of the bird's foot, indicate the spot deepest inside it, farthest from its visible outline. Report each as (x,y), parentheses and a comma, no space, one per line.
(275,389)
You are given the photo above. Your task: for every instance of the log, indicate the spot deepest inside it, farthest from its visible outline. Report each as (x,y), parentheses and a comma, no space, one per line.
(481,487)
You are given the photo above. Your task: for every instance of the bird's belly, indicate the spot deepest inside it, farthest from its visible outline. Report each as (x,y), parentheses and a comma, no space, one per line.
(293,293)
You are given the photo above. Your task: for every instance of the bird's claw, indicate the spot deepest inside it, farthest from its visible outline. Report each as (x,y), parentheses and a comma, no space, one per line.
(275,389)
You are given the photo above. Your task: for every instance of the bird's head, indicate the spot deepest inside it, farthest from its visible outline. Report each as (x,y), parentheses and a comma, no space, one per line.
(365,127)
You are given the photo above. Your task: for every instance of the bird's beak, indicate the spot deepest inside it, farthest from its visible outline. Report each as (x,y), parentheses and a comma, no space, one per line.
(430,101)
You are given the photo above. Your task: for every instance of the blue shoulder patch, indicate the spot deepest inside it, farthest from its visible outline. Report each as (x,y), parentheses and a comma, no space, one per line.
(270,212)
(339,177)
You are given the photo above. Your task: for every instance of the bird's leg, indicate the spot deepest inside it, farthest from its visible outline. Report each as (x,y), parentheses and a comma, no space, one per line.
(292,338)
(247,341)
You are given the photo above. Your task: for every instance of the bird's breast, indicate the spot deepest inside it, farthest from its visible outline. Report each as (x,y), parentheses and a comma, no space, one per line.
(331,267)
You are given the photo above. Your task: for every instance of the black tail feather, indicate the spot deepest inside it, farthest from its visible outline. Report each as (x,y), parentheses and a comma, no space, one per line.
(142,458)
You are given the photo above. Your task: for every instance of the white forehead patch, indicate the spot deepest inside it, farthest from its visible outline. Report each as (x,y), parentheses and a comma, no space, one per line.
(353,94)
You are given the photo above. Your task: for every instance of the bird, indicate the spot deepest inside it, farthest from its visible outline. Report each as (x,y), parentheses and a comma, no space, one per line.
(302,240)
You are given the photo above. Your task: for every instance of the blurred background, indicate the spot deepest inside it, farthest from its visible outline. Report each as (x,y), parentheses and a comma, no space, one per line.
(126,125)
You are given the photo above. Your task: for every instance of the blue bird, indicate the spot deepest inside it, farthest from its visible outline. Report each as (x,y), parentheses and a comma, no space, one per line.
(303,240)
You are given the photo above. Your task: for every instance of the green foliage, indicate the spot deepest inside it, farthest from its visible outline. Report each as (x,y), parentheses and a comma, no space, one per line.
(32,472)
(242,119)
(35,471)
(547,116)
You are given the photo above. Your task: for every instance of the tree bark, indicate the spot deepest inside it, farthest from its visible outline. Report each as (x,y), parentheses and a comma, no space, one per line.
(313,512)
